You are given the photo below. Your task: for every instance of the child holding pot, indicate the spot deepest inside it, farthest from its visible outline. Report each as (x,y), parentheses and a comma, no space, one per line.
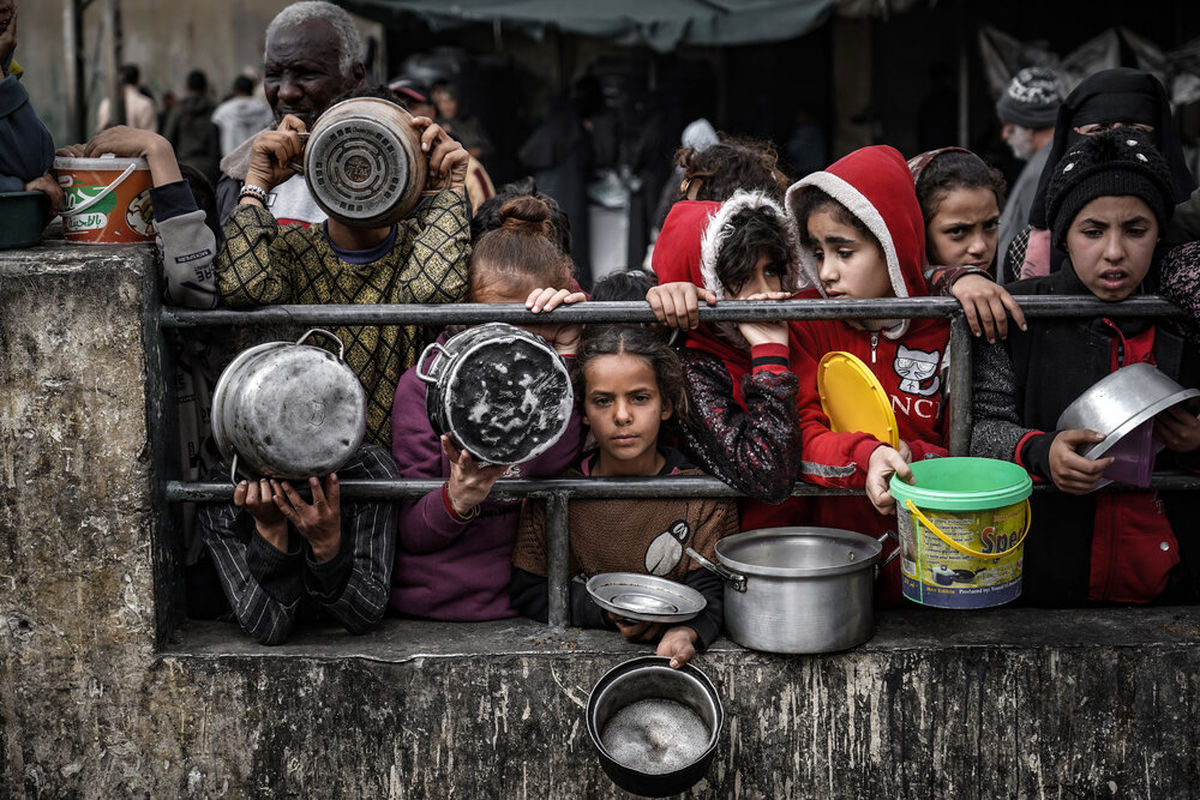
(1108,202)
(455,543)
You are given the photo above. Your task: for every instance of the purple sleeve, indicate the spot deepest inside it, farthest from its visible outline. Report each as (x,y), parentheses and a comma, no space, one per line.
(425,524)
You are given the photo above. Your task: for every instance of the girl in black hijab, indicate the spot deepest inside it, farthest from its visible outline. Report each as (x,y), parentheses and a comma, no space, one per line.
(1115,97)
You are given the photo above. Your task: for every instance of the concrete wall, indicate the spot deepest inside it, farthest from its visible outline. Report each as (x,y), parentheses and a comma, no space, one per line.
(102,696)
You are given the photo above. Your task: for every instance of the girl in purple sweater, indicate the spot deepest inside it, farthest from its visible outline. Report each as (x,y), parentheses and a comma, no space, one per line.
(454,551)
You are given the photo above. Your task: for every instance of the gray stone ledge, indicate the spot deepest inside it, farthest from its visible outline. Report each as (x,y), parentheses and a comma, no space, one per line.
(902,630)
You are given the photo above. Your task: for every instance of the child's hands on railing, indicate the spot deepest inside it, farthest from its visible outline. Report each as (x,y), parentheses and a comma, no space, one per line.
(677,304)
(563,338)
(1071,472)
(987,305)
(765,332)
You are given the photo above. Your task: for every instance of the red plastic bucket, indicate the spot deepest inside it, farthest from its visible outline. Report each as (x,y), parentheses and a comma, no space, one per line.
(106,200)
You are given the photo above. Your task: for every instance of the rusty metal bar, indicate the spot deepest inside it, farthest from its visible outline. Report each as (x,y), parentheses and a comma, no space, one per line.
(639,311)
(558,554)
(961,360)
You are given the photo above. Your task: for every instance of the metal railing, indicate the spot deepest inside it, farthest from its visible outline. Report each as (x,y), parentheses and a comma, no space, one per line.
(558,492)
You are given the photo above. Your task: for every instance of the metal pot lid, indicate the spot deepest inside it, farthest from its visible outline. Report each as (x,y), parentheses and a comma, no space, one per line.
(646,598)
(797,552)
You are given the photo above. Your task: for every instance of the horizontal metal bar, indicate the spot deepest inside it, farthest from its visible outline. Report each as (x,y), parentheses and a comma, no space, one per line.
(639,311)
(596,488)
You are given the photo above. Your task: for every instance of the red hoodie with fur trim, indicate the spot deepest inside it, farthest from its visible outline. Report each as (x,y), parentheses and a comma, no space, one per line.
(909,357)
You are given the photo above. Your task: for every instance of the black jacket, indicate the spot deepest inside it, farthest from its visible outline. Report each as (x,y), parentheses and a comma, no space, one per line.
(1023,384)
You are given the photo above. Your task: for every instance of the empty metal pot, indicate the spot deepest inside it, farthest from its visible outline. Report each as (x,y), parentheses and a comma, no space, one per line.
(798,589)
(363,163)
(649,680)
(500,391)
(1121,401)
(288,410)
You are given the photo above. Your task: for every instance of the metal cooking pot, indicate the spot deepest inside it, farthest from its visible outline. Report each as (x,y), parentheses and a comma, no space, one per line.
(798,589)
(363,163)
(1120,402)
(655,764)
(500,391)
(288,410)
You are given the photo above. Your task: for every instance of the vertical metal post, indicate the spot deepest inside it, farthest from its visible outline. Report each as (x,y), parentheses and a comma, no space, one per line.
(964,77)
(112,57)
(558,552)
(961,373)
(76,85)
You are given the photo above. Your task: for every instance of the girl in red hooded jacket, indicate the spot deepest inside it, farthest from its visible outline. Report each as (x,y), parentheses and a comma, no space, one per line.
(862,236)
(743,427)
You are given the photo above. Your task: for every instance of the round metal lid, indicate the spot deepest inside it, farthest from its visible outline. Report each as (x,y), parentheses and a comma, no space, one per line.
(646,598)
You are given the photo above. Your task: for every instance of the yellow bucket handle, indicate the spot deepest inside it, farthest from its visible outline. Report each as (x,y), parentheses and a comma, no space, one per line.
(916,512)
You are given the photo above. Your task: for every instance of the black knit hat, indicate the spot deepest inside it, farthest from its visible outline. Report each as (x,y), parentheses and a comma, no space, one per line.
(1031,100)
(1121,161)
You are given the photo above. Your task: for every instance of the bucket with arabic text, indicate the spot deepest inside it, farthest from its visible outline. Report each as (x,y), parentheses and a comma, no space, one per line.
(106,199)
(962,525)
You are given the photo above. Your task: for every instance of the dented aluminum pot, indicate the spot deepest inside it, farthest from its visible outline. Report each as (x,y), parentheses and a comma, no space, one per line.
(288,410)
(501,392)
(798,589)
(363,163)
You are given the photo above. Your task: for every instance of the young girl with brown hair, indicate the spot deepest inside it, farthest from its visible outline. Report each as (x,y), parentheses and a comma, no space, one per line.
(455,544)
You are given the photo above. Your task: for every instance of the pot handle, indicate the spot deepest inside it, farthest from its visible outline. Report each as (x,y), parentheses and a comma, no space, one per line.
(429,348)
(882,539)
(735,579)
(341,346)
(233,470)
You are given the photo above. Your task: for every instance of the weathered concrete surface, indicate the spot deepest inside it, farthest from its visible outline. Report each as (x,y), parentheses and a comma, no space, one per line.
(1007,703)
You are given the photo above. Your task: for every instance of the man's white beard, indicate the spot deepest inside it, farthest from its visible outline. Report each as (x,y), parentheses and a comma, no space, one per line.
(1020,141)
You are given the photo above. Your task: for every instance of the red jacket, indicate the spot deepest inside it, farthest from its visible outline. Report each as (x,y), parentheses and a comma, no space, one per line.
(909,357)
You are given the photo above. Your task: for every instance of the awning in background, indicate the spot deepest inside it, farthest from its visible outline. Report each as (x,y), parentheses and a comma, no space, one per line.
(661,24)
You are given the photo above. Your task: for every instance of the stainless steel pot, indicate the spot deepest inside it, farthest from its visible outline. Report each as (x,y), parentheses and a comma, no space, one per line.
(363,162)
(641,755)
(500,391)
(798,589)
(288,410)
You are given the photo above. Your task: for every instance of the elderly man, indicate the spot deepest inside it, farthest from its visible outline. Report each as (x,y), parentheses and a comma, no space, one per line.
(1028,110)
(313,56)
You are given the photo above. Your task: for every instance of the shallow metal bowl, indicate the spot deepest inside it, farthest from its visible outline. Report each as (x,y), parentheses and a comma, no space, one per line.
(647,598)
(1121,401)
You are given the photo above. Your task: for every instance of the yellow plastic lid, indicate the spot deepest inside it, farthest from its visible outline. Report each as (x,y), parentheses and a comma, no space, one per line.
(853,399)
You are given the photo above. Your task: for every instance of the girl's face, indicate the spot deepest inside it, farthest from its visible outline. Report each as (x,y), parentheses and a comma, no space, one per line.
(1111,243)
(767,276)
(624,408)
(964,230)
(848,265)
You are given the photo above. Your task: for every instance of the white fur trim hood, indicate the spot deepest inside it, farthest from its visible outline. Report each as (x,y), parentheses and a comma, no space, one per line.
(720,228)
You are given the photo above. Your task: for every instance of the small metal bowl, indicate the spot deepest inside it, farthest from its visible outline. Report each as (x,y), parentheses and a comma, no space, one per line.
(1121,401)
(646,598)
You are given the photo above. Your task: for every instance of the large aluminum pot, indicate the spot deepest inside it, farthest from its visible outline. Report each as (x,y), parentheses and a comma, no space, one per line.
(500,391)
(798,589)
(655,728)
(363,163)
(1120,402)
(288,410)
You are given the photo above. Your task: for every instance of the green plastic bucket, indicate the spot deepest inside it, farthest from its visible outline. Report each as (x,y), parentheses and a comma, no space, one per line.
(962,525)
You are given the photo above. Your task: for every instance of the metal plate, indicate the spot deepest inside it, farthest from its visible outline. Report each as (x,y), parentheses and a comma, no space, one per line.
(646,598)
